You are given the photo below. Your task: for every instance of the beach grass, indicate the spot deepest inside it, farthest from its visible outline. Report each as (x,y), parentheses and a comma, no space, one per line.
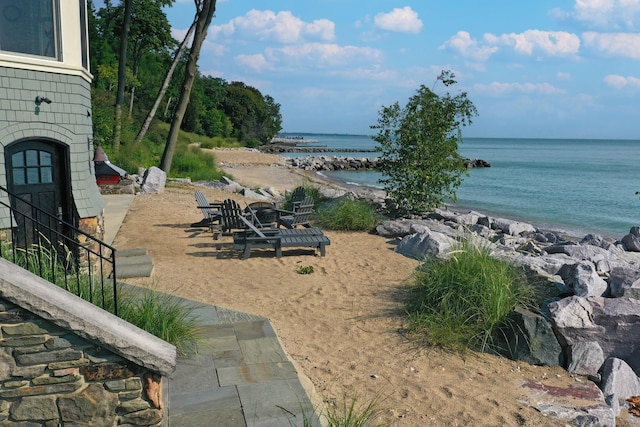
(351,412)
(159,314)
(459,302)
(348,215)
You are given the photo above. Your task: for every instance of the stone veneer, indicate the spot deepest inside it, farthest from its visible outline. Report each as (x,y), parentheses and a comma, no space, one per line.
(64,361)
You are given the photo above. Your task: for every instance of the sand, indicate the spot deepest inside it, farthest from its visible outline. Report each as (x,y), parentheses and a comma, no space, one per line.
(343,324)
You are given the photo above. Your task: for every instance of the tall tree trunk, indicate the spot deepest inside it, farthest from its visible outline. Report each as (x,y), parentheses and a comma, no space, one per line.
(205,10)
(122,69)
(165,84)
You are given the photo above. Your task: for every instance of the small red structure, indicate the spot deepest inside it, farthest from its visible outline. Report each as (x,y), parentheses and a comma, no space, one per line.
(106,172)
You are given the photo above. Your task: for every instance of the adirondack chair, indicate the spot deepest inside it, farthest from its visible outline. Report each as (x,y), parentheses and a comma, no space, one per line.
(210,211)
(230,214)
(299,216)
(297,197)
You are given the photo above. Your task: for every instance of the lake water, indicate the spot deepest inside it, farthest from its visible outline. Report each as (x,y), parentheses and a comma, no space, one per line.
(577,186)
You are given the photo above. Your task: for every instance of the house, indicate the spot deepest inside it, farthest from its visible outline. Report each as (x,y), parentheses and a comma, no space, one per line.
(46,134)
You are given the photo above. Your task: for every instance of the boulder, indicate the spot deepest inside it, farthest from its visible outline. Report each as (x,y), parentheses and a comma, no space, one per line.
(631,241)
(619,381)
(582,252)
(511,227)
(586,282)
(614,323)
(153,181)
(530,338)
(425,244)
(621,277)
(585,358)
(393,229)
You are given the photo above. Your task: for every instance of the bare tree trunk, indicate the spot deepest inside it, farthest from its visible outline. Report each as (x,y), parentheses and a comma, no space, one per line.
(165,84)
(166,107)
(122,68)
(205,10)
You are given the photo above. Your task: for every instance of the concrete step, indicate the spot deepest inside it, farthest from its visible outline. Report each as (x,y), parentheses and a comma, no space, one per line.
(133,263)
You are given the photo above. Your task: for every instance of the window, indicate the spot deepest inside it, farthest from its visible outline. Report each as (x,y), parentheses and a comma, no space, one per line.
(32,167)
(30,27)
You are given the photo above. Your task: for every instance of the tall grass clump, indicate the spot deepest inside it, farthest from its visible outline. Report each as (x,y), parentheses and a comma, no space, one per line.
(459,302)
(351,413)
(159,314)
(348,215)
(190,161)
(164,316)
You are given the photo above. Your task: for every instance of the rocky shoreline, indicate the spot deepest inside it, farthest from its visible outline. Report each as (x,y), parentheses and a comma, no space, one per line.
(334,163)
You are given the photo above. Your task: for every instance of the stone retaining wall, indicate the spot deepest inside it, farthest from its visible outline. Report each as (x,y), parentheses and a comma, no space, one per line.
(51,377)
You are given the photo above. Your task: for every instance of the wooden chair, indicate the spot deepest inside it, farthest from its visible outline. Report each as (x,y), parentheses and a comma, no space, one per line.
(299,216)
(297,197)
(210,211)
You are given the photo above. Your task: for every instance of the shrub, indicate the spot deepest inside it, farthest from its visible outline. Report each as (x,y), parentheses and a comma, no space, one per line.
(190,161)
(348,215)
(460,301)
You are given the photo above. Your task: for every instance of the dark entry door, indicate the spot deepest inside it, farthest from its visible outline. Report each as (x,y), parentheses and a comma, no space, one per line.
(37,173)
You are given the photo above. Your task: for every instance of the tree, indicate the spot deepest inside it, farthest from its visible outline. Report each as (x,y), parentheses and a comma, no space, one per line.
(165,84)
(420,163)
(122,66)
(204,13)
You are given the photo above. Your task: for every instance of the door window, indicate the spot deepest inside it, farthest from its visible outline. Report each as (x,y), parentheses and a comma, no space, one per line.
(32,167)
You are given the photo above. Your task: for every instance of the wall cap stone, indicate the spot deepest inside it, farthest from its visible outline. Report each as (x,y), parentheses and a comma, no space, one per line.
(72,313)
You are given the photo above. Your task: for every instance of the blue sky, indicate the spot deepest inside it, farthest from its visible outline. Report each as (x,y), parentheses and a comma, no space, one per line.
(540,69)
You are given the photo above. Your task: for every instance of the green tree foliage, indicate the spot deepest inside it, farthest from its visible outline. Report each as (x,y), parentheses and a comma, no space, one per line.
(216,108)
(418,143)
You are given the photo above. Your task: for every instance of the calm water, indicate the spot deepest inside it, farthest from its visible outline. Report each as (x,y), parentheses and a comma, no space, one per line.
(580,186)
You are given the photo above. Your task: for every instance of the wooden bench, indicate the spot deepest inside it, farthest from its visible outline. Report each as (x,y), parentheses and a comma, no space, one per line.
(277,239)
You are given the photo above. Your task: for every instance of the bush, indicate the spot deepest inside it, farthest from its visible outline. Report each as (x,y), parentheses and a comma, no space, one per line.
(348,215)
(459,302)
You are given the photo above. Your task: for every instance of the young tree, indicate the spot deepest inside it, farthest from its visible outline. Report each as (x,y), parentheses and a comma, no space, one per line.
(421,166)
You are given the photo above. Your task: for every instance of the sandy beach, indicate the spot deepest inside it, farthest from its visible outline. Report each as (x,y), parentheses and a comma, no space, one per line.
(343,324)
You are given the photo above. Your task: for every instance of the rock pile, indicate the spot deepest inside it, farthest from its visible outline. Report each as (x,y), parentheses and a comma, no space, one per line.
(590,324)
(331,163)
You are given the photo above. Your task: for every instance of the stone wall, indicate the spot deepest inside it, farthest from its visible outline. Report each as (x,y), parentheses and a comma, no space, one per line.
(64,361)
(51,377)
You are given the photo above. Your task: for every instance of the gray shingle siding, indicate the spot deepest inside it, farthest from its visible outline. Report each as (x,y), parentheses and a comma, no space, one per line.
(64,120)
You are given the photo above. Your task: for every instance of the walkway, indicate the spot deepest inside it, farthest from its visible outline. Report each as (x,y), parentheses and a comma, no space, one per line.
(240,377)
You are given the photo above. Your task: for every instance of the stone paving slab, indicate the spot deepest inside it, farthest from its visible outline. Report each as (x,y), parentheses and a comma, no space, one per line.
(256,373)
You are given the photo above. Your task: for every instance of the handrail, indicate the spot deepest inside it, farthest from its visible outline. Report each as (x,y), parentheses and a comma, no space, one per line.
(51,247)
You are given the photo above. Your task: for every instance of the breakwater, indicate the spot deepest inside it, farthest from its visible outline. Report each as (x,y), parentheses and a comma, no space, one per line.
(337,163)
(289,148)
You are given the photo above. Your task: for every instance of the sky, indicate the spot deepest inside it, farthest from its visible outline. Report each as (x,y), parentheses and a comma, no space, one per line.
(533,69)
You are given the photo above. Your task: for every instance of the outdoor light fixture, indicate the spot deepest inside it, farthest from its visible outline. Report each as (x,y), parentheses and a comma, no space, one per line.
(41,99)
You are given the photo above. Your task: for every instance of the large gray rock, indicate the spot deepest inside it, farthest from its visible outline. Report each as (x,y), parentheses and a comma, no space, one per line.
(631,241)
(621,277)
(514,228)
(426,244)
(586,282)
(619,382)
(393,229)
(585,358)
(153,181)
(246,192)
(531,339)
(614,323)
(582,252)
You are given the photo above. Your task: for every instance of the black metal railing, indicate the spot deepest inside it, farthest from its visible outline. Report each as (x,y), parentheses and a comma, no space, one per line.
(58,251)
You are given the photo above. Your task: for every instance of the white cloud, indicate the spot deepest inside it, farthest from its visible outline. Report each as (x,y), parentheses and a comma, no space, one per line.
(563,76)
(326,53)
(498,88)
(282,27)
(607,13)
(617,44)
(255,62)
(403,20)
(554,43)
(468,47)
(618,82)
